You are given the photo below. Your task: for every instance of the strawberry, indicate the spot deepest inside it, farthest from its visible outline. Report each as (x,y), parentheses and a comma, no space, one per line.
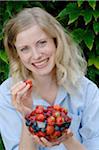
(56,114)
(28,82)
(32,118)
(31,129)
(57,107)
(59,120)
(56,134)
(51,120)
(40,134)
(48,113)
(67,119)
(49,130)
(63,114)
(40,117)
(50,108)
(39,109)
(32,113)
(65,111)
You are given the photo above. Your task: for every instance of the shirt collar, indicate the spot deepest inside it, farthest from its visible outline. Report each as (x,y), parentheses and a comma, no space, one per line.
(61,95)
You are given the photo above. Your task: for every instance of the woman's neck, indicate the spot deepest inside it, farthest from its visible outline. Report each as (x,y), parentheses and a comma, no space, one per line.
(47,88)
(45,82)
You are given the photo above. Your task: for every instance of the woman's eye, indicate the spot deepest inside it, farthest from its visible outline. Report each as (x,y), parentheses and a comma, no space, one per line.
(24,49)
(41,44)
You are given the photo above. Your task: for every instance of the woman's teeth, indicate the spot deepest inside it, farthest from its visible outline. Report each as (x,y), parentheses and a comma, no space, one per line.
(41,64)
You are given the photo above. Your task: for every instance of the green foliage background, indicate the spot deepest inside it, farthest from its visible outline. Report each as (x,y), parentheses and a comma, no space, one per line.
(81,18)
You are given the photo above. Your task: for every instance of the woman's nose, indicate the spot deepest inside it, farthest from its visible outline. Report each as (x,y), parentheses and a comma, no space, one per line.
(35,54)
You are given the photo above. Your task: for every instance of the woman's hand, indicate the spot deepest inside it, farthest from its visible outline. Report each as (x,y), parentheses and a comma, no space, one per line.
(45,143)
(67,135)
(22,97)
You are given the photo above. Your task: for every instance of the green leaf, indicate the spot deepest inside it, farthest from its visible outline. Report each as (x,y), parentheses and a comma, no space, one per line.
(73,16)
(79,2)
(96,63)
(87,14)
(9,8)
(92,3)
(67,10)
(91,61)
(96,27)
(3,57)
(78,35)
(89,39)
(72,10)
(96,14)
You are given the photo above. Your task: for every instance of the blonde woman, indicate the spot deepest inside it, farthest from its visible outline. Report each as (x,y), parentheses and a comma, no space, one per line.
(40,50)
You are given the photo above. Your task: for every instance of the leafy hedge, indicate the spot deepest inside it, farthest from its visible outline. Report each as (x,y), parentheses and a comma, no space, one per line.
(79,17)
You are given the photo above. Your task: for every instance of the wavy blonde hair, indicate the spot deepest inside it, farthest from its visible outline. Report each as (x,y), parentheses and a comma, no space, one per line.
(70,65)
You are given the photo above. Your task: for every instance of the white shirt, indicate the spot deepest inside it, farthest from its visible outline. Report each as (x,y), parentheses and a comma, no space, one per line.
(83,108)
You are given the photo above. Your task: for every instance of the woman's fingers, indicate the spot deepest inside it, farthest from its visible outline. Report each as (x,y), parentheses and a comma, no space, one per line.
(21,92)
(65,136)
(18,91)
(49,144)
(38,141)
(17,87)
(45,142)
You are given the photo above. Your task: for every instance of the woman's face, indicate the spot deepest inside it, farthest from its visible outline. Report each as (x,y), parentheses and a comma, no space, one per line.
(36,50)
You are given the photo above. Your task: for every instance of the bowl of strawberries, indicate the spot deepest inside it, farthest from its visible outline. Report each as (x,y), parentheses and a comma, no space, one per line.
(50,122)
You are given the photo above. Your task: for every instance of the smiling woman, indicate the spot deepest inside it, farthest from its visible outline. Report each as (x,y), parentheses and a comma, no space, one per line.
(46,68)
(36,50)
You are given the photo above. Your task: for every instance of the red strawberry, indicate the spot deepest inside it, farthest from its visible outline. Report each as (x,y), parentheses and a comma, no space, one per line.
(40,117)
(57,107)
(32,113)
(56,134)
(67,119)
(56,114)
(59,120)
(32,118)
(40,134)
(65,111)
(48,113)
(39,109)
(28,82)
(51,120)
(31,129)
(49,130)
(50,108)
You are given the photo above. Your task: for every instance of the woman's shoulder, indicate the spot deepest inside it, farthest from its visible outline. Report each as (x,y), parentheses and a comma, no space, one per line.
(5,93)
(87,84)
(86,91)
(6,85)
(89,89)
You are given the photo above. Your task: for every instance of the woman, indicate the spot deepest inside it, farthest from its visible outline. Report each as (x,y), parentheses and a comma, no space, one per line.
(40,50)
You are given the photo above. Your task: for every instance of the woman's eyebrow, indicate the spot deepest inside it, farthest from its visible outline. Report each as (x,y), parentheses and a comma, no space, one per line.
(21,46)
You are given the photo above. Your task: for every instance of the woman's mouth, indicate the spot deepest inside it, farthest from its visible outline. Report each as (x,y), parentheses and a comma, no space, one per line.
(41,64)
